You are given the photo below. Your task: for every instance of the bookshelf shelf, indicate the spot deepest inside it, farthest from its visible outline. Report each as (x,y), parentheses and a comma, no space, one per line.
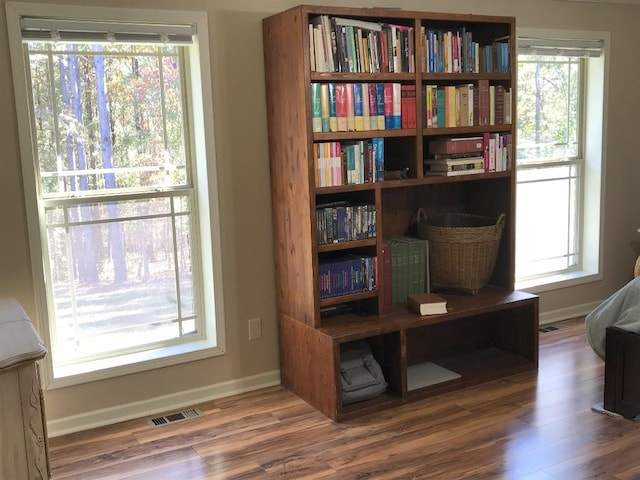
(484,336)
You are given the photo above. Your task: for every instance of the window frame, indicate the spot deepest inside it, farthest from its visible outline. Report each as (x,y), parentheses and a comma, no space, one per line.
(592,152)
(199,106)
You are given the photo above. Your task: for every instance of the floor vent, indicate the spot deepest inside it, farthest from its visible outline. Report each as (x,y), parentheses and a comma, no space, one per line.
(550,328)
(175,417)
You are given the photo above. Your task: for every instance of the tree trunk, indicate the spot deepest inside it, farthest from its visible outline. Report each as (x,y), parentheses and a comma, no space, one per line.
(85,255)
(115,233)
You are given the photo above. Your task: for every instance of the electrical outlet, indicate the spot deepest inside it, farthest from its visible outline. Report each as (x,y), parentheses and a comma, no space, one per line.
(255,328)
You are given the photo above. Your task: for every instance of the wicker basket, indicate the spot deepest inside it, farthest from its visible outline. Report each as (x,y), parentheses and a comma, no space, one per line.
(462,249)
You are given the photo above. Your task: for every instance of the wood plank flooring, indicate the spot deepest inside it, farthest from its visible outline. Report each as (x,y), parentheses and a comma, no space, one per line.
(531,426)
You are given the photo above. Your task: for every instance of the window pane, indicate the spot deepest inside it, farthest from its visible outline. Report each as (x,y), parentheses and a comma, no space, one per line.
(546,220)
(108,117)
(548,107)
(119,280)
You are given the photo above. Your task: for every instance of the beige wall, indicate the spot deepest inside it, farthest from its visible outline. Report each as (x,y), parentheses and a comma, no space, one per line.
(241,136)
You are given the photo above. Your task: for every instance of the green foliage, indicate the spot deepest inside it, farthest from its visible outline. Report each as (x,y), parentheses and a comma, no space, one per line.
(548,107)
(144,92)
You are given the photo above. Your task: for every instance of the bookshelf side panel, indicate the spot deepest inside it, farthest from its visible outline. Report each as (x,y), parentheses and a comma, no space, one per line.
(287,80)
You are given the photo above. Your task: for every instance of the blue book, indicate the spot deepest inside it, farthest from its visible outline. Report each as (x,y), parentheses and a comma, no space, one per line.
(378,158)
(380,105)
(357,107)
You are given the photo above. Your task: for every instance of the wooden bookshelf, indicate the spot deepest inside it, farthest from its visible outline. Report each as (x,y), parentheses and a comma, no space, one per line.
(484,336)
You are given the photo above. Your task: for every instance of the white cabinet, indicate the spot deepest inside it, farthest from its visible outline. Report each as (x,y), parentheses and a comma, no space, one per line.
(23,436)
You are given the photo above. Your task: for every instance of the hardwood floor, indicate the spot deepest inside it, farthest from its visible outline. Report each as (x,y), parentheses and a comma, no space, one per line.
(536,425)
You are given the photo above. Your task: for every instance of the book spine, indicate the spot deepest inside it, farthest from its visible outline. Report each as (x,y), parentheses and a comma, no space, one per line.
(341,107)
(486,153)
(464,105)
(440,108)
(378,158)
(351,119)
(324,106)
(373,107)
(380,106)
(492,105)
(458,145)
(397,108)
(450,105)
(358,107)
(388,106)
(499,104)
(316,108)
(366,114)
(386,274)
(483,102)
(472,165)
(333,118)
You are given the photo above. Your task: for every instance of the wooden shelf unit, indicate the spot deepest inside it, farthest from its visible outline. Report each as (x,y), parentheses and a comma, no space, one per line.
(484,336)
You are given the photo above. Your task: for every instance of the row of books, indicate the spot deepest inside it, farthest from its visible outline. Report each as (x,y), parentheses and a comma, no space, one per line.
(338,44)
(347,275)
(466,105)
(446,51)
(349,163)
(490,152)
(357,107)
(342,222)
(405,268)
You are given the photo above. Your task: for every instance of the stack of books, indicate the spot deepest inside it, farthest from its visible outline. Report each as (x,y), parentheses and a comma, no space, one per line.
(449,164)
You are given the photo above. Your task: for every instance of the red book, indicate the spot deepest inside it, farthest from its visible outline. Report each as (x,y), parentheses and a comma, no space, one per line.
(408,106)
(351,116)
(341,106)
(457,145)
(483,103)
(499,104)
(373,107)
(388,106)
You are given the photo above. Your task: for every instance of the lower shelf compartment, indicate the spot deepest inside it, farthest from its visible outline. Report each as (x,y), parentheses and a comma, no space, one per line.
(420,356)
(470,368)
(426,374)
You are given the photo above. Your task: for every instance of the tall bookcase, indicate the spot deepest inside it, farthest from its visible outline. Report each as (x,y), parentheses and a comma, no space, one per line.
(482,337)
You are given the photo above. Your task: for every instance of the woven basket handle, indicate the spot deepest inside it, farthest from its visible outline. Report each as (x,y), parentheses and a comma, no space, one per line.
(421,215)
(501,219)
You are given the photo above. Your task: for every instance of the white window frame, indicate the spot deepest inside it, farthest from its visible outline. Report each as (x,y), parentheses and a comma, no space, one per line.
(200,110)
(594,133)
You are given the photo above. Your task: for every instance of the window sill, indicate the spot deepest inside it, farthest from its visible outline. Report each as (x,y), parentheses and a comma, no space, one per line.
(68,375)
(554,282)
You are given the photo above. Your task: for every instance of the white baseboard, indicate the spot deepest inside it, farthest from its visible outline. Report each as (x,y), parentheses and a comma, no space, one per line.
(567,313)
(165,403)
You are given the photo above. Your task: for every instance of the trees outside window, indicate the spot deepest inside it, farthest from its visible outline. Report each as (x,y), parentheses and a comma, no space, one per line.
(121,196)
(557,164)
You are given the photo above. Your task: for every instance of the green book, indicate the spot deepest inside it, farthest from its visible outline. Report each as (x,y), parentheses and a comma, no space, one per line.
(316,108)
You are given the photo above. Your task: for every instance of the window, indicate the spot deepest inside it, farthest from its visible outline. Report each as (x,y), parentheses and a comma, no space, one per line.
(558,157)
(118,169)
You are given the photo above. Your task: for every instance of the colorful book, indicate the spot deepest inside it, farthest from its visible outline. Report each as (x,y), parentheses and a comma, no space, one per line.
(380,106)
(351,118)
(316,108)
(373,107)
(333,118)
(324,106)
(341,107)
(358,113)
